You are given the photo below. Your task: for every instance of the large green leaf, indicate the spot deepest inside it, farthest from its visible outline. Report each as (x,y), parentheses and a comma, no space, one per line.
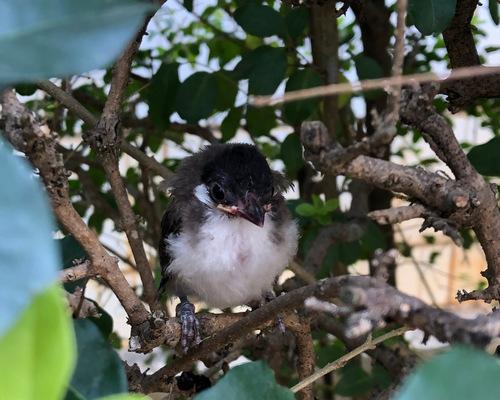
(227,89)
(298,111)
(260,120)
(197,96)
(431,16)
(260,20)
(37,353)
(296,21)
(291,154)
(250,381)
(264,67)
(28,255)
(231,123)
(99,371)
(160,94)
(367,67)
(485,157)
(460,374)
(47,38)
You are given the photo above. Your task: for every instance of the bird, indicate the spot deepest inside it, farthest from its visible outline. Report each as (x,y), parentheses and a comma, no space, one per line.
(227,232)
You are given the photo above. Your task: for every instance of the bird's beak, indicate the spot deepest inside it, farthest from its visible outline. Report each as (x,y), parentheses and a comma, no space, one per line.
(248,208)
(251,210)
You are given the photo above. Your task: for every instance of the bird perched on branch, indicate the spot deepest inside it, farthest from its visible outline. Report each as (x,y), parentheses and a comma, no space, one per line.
(227,233)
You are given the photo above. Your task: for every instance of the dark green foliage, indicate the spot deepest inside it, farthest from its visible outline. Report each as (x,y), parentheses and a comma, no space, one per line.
(485,157)
(161,92)
(264,68)
(99,371)
(431,16)
(197,96)
(248,381)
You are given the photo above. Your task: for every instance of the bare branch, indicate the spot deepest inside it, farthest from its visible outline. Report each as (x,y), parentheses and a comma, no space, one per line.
(105,139)
(40,148)
(396,215)
(339,363)
(305,356)
(379,83)
(79,110)
(372,303)
(77,272)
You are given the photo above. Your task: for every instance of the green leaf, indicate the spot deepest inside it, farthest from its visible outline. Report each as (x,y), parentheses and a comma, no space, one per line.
(197,96)
(91,378)
(306,210)
(296,21)
(26,89)
(291,154)
(331,205)
(354,381)
(431,16)
(367,67)
(298,111)
(485,157)
(254,65)
(259,20)
(260,120)
(441,379)
(70,250)
(231,123)
(28,255)
(161,92)
(126,396)
(59,38)
(37,353)
(227,89)
(249,381)
(493,6)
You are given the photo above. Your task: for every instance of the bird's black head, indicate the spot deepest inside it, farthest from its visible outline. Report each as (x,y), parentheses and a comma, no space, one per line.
(239,181)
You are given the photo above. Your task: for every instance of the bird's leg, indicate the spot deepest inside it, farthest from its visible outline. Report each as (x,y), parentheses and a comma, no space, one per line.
(190,327)
(270,296)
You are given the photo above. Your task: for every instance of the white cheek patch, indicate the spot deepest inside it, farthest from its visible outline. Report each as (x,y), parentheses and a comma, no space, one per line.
(201,193)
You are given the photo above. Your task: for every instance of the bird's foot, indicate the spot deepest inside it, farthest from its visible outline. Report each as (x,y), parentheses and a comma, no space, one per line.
(190,327)
(268,297)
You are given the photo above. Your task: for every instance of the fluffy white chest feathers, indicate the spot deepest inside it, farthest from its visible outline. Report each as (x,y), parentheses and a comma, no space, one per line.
(230,261)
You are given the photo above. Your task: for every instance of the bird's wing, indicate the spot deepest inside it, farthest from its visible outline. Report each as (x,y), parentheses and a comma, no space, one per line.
(170,225)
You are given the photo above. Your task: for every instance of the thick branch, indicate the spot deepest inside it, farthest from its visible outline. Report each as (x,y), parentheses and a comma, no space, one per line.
(462,52)
(371,303)
(428,187)
(40,148)
(105,140)
(395,215)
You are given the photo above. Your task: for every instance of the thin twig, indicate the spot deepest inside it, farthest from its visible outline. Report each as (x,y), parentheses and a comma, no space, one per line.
(419,271)
(370,84)
(340,362)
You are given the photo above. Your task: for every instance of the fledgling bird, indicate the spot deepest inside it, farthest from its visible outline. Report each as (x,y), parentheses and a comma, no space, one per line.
(227,233)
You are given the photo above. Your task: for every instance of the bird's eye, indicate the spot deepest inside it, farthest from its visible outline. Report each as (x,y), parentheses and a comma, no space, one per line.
(217,193)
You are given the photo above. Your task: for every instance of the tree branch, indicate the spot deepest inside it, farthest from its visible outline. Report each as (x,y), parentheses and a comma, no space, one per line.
(105,140)
(40,147)
(79,110)
(339,363)
(371,302)
(462,52)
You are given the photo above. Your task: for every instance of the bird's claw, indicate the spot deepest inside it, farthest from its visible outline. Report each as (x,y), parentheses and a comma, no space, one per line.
(280,324)
(190,326)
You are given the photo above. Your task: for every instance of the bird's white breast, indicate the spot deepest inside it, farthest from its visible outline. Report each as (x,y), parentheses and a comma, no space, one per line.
(230,261)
